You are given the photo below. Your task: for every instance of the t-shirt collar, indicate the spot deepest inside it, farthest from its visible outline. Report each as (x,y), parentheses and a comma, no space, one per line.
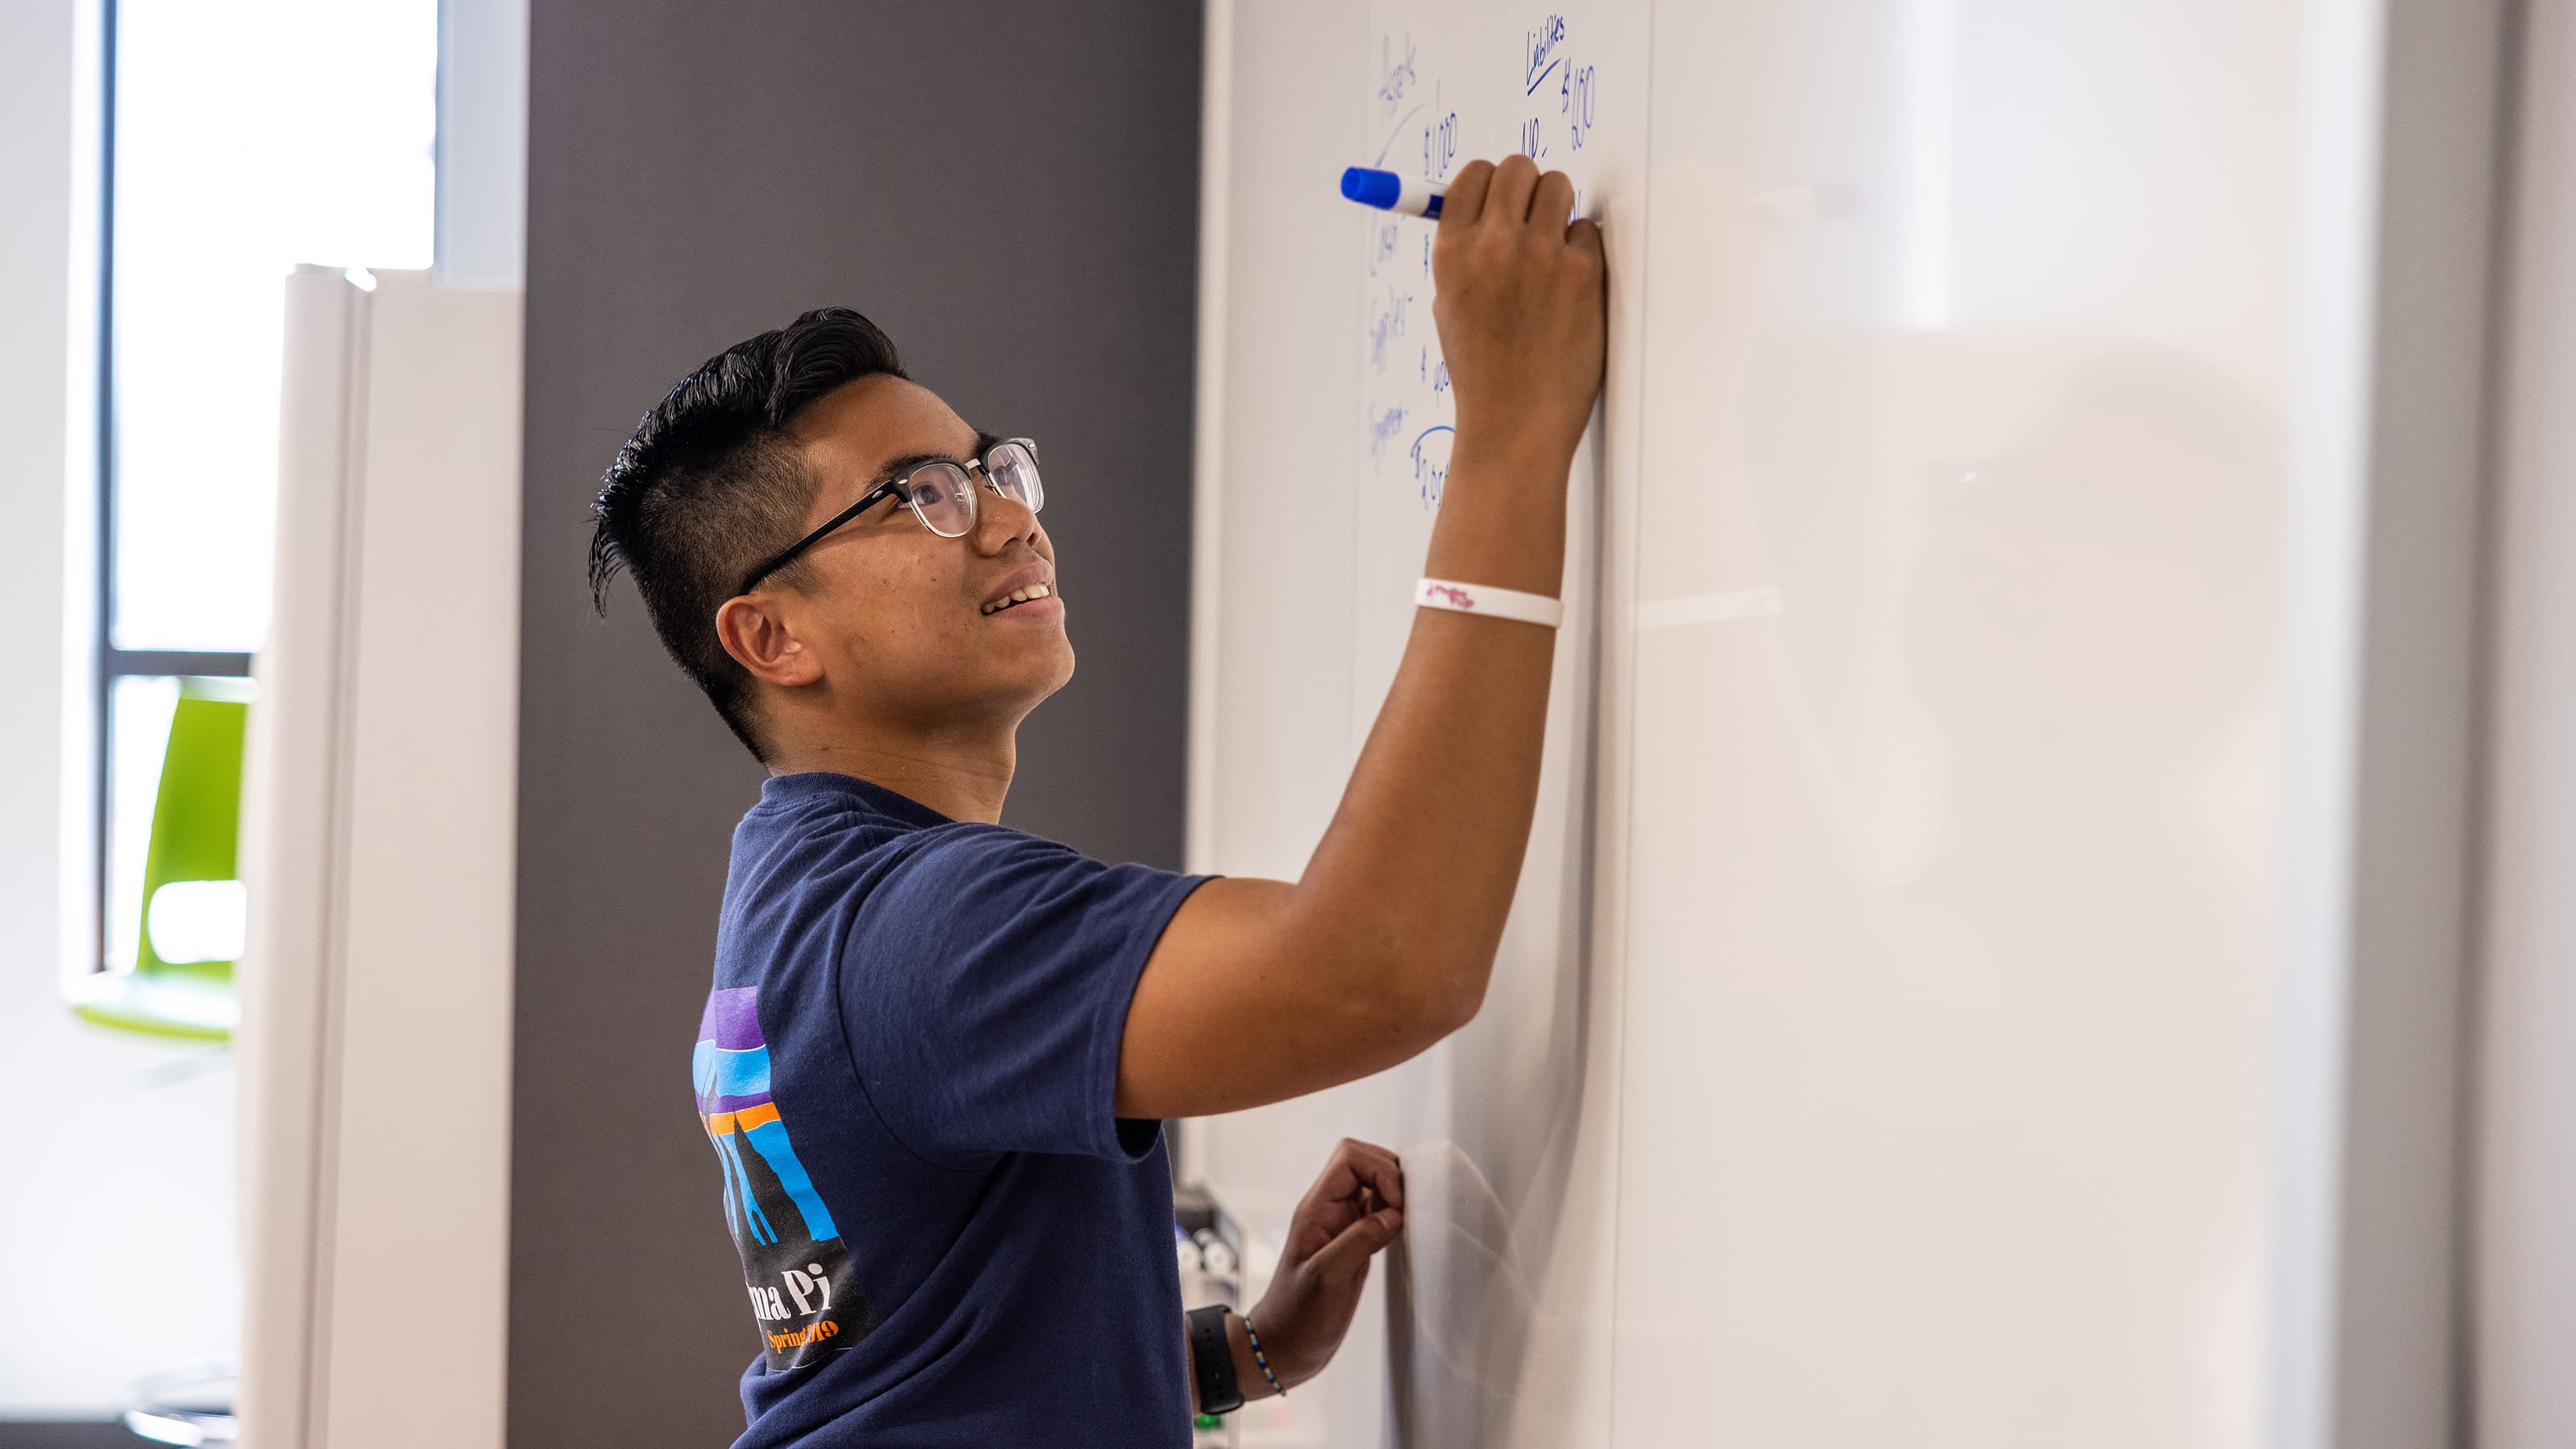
(788,790)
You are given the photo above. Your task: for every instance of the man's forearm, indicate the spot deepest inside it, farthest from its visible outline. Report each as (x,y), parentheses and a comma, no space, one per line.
(1417,869)
(1411,882)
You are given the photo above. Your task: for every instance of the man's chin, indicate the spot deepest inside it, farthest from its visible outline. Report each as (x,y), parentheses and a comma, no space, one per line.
(1024,690)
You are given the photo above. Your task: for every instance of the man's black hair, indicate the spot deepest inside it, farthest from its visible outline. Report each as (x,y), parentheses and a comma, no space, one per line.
(711,483)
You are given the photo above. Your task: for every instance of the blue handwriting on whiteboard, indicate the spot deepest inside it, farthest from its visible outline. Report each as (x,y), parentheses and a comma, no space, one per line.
(1381,245)
(1538,52)
(1431,462)
(1439,141)
(1383,426)
(1395,76)
(1386,323)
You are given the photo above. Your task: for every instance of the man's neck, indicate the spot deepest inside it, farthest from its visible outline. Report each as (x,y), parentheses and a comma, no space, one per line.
(963,778)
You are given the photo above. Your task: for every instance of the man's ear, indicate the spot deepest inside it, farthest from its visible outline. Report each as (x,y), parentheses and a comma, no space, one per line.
(757,634)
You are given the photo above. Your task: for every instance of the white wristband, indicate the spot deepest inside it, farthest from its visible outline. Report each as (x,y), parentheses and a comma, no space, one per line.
(1486,599)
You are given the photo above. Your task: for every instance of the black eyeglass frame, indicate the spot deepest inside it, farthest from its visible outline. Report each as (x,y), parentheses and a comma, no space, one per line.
(898,486)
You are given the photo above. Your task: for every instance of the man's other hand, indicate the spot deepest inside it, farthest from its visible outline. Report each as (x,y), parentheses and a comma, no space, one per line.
(1351,1212)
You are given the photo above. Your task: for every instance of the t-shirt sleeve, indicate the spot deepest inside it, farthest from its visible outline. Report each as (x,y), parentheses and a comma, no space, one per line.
(985,989)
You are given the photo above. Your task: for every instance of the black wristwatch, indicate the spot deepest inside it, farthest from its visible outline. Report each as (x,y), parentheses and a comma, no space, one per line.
(1212,1360)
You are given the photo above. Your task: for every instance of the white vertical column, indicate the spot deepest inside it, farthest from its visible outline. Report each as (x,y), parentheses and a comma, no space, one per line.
(380,832)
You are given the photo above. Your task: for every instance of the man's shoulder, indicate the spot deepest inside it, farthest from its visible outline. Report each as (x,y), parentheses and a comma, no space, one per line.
(789,865)
(850,862)
(806,835)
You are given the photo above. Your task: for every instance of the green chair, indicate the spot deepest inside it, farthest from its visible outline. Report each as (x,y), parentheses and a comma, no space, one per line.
(191,879)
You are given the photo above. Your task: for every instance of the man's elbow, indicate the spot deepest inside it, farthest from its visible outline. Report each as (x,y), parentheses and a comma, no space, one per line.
(1456,1005)
(1404,996)
(1427,1005)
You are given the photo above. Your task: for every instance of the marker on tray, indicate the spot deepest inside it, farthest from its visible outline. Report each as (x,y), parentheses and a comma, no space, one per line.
(1389,192)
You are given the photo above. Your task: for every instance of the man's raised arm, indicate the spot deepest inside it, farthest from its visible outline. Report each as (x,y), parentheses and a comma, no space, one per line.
(1384,944)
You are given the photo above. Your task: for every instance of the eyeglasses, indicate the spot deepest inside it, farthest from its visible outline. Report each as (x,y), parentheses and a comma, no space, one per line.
(940,493)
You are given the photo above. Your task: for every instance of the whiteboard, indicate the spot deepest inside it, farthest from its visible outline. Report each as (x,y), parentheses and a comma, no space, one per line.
(1502,1283)
(1881,1047)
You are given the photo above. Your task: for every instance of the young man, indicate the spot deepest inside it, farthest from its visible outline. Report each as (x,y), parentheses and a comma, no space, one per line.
(938,1050)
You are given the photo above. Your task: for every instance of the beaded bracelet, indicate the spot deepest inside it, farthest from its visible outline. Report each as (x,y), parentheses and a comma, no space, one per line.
(1263,1359)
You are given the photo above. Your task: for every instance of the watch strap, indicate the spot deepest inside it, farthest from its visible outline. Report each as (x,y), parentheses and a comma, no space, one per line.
(1212,1360)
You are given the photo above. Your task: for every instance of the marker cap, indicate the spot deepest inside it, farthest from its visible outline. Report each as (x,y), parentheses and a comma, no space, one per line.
(1389,192)
(1370,187)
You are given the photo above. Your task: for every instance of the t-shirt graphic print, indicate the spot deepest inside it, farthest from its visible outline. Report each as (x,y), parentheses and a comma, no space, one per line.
(804,1297)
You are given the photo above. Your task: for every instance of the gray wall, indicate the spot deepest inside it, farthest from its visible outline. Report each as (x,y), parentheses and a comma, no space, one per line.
(1010,189)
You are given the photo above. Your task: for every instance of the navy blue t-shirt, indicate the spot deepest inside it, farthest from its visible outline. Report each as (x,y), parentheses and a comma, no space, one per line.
(906,1067)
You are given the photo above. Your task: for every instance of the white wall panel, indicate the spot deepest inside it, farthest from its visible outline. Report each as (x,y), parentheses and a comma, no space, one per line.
(1990,964)
(380,810)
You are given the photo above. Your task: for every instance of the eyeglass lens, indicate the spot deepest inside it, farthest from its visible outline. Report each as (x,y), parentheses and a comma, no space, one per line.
(940,494)
(944,498)
(1015,475)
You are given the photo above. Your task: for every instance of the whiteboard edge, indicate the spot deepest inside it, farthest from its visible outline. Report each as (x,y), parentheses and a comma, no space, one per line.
(1207,518)
(1207,469)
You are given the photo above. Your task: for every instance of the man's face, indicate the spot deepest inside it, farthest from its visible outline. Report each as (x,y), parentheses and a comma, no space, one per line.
(902,620)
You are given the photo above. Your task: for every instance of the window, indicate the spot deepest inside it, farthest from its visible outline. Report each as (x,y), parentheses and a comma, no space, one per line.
(242,139)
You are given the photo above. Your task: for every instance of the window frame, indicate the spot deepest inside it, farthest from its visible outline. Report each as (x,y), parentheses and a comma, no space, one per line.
(110,663)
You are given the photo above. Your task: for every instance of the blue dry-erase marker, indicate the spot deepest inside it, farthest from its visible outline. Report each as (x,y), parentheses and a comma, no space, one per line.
(1389,192)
